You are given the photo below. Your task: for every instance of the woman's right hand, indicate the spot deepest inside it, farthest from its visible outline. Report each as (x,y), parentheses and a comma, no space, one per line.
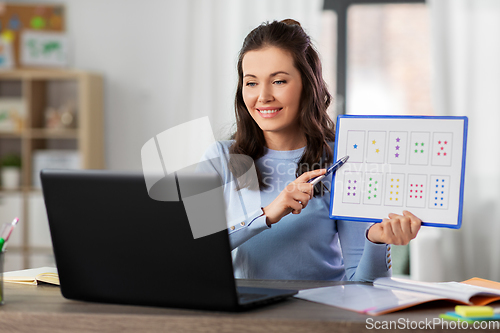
(293,198)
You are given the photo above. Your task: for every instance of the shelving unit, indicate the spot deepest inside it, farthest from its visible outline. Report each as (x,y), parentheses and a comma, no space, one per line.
(40,89)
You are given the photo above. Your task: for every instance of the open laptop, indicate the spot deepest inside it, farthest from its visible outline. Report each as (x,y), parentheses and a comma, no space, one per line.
(114,244)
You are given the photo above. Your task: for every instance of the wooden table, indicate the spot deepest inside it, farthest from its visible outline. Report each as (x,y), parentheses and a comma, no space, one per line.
(42,309)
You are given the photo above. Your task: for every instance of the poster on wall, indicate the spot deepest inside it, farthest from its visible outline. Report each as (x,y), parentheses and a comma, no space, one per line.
(17,18)
(47,49)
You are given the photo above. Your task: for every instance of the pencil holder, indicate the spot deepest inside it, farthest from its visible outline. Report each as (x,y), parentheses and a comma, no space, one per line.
(2,255)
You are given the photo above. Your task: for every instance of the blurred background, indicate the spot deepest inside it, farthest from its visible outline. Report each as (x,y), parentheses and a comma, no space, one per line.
(112,74)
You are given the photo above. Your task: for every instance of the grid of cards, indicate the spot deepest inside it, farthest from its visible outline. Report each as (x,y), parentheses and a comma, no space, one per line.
(398,148)
(396,189)
(399,163)
(413,148)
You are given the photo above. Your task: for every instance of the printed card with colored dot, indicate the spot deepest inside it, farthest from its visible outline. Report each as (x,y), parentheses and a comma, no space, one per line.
(419,148)
(397,164)
(439,192)
(416,191)
(352,190)
(394,189)
(397,148)
(373,187)
(442,147)
(355,146)
(375,147)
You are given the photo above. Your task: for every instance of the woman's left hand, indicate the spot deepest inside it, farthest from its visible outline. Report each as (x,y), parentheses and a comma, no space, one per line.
(397,229)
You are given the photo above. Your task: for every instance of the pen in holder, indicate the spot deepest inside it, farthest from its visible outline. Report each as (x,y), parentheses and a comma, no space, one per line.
(4,237)
(2,256)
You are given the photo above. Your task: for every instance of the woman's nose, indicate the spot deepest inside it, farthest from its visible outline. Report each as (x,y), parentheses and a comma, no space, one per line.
(265,95)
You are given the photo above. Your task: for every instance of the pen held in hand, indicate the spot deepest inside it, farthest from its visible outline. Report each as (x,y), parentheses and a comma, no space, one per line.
(330,170)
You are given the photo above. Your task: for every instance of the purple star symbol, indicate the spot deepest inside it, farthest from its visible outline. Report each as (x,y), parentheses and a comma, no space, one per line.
(354,194)
(348,187)
(397,155)
(348,193)
(397,147)
(354,182)
(353,188)
(397,139)
(349,180)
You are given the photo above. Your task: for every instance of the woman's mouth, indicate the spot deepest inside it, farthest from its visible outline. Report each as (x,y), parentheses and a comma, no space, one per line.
(268,112)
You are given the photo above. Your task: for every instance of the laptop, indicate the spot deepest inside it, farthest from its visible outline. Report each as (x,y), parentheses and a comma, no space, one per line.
(114,244)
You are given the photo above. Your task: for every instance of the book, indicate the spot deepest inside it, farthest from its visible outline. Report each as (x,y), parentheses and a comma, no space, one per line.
(396,163)
(392,294)
(33,276)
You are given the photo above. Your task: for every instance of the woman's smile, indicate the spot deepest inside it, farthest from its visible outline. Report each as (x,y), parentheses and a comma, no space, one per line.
(269,112)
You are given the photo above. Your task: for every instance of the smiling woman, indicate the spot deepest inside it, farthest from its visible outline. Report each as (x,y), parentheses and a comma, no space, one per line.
(283,126)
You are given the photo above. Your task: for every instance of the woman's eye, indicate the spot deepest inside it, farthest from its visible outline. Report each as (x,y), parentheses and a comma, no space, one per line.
(280,82)
(251,84)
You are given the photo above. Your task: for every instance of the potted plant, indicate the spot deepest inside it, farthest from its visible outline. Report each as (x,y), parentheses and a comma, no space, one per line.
(11,171)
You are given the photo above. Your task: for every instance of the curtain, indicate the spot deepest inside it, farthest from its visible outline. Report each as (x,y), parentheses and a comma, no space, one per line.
(466,60)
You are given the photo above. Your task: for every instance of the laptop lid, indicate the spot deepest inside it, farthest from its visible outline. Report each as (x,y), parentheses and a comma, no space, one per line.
(113,243)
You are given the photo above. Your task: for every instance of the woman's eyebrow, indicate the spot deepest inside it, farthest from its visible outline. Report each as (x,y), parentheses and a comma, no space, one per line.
(270,75)
(278,72)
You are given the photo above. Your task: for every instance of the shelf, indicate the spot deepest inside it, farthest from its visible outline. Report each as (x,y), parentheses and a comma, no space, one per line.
(29,189)
(42,133)
(8,191)
(41,89)
(42,74)
(11,135)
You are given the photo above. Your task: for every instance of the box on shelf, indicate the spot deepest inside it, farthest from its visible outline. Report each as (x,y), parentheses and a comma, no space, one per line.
(54,159)
(12,114)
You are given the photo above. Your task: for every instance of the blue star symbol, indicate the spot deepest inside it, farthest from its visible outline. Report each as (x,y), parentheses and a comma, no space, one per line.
(355,146)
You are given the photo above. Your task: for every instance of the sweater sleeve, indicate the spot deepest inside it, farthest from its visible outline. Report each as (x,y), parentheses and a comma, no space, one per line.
(245,230)
(244,215)
(363,260)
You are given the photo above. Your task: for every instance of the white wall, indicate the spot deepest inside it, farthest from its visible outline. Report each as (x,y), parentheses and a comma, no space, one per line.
(165,62)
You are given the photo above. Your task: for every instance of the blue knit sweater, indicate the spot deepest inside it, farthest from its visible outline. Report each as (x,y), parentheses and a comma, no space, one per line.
(306,246)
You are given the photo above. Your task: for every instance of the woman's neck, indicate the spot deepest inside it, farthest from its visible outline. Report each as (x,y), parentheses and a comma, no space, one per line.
(282,142)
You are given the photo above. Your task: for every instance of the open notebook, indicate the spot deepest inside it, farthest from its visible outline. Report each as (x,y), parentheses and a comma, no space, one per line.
(33,276)
(393,294)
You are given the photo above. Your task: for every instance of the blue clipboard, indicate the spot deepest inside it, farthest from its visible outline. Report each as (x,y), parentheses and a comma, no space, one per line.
(353,217)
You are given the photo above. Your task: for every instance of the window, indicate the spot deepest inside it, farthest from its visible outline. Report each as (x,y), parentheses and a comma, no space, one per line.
(383,57)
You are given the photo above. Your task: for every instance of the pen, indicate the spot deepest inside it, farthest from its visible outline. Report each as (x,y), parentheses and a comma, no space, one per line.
(330,170)
(6,232)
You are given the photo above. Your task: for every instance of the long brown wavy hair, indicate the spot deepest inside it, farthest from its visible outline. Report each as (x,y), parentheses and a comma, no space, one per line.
(317,126)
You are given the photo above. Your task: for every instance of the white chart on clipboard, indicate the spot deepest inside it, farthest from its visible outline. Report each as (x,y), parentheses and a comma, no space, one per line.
(397,163)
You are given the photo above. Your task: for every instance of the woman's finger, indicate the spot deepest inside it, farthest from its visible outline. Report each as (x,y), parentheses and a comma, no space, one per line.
(302,197)
(415,223)
(303,178)
(387,232)
(306,188)
(397,231)
(296,207)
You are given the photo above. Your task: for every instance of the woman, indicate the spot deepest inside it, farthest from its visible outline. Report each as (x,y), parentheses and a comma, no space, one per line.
(282,124)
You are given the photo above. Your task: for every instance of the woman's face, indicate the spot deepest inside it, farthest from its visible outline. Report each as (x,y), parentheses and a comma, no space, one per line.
(272,87)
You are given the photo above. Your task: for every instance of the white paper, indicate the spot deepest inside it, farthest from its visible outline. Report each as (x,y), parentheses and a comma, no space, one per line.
(398,164)
(364,298)
(30,273)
